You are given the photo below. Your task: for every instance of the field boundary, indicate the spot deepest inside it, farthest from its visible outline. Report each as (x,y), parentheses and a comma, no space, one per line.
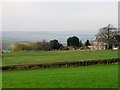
(60,64)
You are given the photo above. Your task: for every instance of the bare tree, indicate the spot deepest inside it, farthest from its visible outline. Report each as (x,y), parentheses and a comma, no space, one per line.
(107,33)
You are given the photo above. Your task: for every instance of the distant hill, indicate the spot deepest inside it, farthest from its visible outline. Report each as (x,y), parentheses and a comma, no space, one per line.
(44,35)
(6,44)
(10,37)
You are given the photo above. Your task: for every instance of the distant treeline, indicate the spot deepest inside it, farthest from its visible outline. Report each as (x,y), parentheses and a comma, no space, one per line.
(109,34)
(43,45)
(49,46)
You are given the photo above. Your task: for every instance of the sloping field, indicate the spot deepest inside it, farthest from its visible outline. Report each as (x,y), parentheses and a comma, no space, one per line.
(98,76)
(20,58)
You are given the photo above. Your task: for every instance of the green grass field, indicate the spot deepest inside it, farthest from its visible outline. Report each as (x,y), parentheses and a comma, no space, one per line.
(17,58)
(96,76)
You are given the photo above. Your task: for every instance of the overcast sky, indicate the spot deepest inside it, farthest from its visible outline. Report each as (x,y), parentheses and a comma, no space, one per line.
(58,16)
(56,19)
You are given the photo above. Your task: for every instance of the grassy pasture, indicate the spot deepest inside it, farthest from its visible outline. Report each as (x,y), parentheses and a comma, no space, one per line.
(96,76)
(18,58)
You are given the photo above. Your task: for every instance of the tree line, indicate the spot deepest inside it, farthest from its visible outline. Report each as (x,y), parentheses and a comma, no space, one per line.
(49,46)
(105,34)
(43,45)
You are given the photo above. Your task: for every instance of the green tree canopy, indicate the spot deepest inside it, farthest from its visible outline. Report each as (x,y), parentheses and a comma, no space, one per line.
(73,41)
(87,43)
(54,44)
(80,43)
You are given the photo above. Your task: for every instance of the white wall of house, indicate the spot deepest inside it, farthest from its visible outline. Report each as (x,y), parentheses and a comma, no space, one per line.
(98,45)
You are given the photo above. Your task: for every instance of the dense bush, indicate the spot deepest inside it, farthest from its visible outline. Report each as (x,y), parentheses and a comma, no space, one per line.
(44,46)
(20,47)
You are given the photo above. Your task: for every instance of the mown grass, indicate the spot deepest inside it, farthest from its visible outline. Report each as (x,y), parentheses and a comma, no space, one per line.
(98,76)
(17,58)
